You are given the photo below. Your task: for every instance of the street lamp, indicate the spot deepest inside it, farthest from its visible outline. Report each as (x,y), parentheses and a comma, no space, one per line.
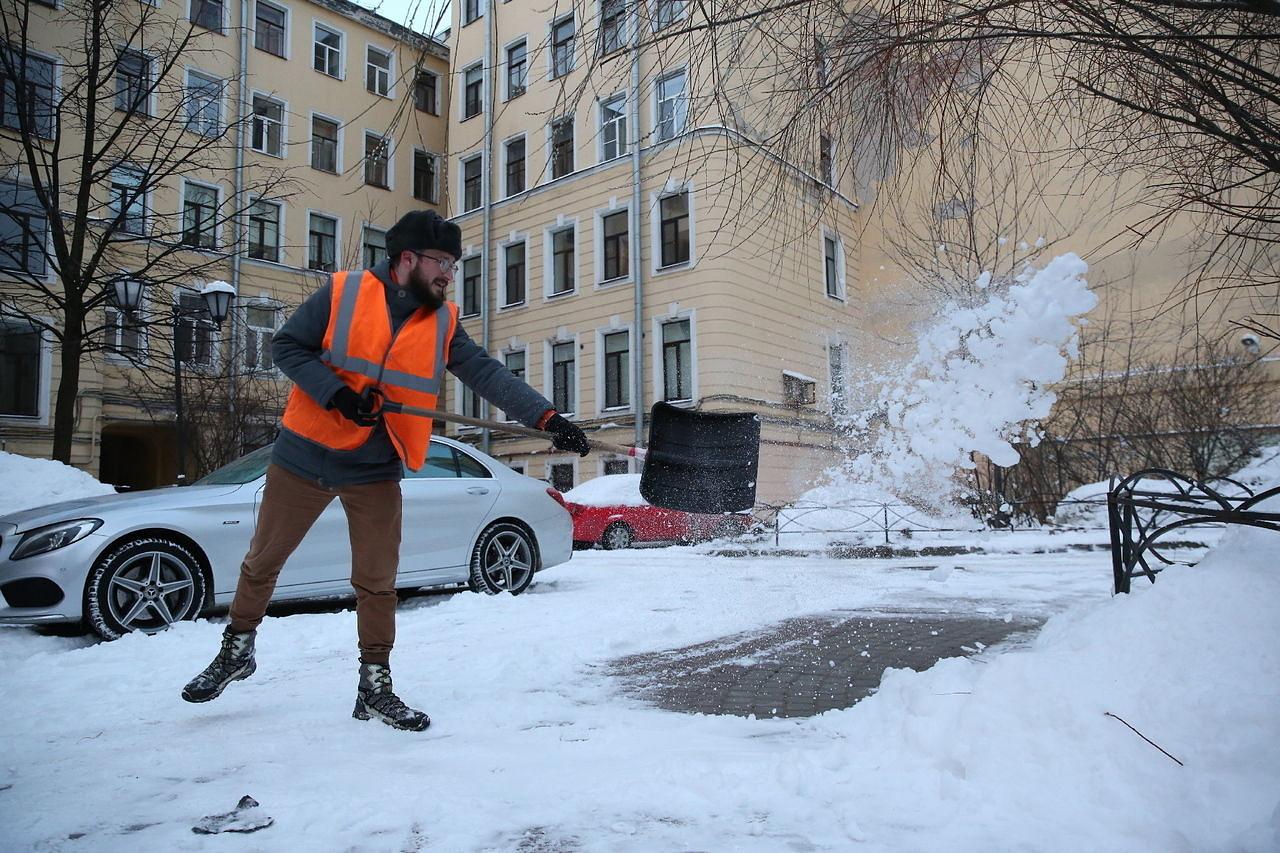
(126,294)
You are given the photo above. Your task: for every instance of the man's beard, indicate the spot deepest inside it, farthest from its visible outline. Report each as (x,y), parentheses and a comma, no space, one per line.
(420,286)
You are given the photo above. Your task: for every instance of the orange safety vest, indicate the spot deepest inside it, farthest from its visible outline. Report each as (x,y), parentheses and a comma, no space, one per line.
(359,346)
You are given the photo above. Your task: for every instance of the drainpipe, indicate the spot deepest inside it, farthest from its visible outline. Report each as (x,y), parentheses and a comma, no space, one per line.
(490,95)
(637,264)
(238,223)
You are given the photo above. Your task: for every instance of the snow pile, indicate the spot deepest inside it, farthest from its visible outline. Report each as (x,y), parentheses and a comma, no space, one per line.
(1262,472)
(608,490)
(979,381)
(31,483)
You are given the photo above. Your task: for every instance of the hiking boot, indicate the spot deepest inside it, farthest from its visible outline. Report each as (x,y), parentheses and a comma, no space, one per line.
(375,699)
(234,662)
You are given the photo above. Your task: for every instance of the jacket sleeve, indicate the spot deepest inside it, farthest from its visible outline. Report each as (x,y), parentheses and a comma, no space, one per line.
(490,378)
(296,347)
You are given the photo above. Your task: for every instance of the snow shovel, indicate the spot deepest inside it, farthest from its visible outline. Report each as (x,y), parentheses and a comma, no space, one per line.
(703,462)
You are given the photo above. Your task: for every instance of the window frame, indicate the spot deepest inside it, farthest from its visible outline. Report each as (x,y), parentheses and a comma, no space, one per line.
(251,328)
(365,229)
(462,178)
(288,21)
(464,10)
(621,18)
(390,70)
(337,240)
(113,343)
(521,240)
(17,187)
(602,371)
(43,130)
(433,191)
(215,332)
(182,215)
(561,225)
(423,74)
(463,104)
(311,142)
(506,165)
(221,29)
(523,375)
(672,188)
(254,118)
(463,286)
(279,205)
(838,403)
(341,49)
(841,294)
(622,142)
(147,108)
(144,198)
(521,42)
(44,367)
(553,47)
(681,14)
(190,70)
(561,121)
(388,144)
(549,371)
(658,364)
(680,123)
(601,240)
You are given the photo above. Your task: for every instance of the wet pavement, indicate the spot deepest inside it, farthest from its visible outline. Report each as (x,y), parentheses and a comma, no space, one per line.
(808,665)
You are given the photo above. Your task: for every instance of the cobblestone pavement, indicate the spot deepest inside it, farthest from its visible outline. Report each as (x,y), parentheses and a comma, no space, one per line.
(808,665)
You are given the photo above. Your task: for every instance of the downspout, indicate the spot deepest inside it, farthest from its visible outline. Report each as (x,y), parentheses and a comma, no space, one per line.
(487,158)
(637,264)
(242,95)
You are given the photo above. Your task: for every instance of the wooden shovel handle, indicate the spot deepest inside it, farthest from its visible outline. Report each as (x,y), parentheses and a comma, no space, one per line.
(517,429)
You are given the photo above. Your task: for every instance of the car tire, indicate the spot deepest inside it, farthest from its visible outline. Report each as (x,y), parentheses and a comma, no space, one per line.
(617,535)
(504,559)
(145,585)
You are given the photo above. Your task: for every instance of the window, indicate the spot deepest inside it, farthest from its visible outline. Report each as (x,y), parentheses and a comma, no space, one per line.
(515,362)
(426,93)
(29,98)
(517,69)
(259,327)
(515,166)
(199,214)
(561,476)
(616,466)
(269,28)
(673,105)
(328,51)
(613,127)
(562,37)
(615,245)
(561,147)
(204,103)
(124,333)
(373,246)
(377,71)
(839,402)
(471,10)
(21,359)
(193,335)
(675,229)
(563,369)
(472,91)
(613,17)
(424,177)
(677,361)
(470,402)
(513,291)
(471,271)
(322,243)
(826,164)
(133,82)
(264,231)
(23,229)
(268,126)
(471,184)
(617,370)
(831,253)
(207,14)
(667,12)
(324,144)
(128,203)
(562,261)
(377,156)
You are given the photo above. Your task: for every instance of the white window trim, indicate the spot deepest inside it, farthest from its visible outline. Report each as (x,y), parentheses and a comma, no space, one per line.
(223,112)
(147,211)
(342,128)
(598,248)
(551,48)
(548,257)
(261,301)
(43,401)
(653,104)
(391,158)
(420,71)
(280,228)
(842,292)
(288,29)
(462,10)
(458,390)
(656,368)
(629,13)
(549,132)
(462,181)
(548,369)
(462,91)
(391,69)
(672,187)
(109,353)
(469,255)
(506,190)
(342,49)
(506,74)
(512,349)
(222,24)
(562,460)
(217,214)
(626,118)
(514,239)
(435,174)
(600,369)
(215,336)
(684,13)
(151,81)
(613,457)
(337,241)
(284,124)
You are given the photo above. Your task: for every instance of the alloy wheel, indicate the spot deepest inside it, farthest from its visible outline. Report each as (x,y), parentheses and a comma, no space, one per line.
(150,592)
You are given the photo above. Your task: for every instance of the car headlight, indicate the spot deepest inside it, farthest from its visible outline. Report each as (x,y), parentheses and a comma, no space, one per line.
(45,539)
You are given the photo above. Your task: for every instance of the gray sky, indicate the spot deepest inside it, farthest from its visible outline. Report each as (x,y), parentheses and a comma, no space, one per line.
(417,14)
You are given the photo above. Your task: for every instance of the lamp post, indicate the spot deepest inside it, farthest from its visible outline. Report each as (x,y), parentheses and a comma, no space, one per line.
(126,294)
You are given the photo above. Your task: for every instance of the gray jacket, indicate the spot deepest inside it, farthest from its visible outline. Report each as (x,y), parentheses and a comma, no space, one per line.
(296,351)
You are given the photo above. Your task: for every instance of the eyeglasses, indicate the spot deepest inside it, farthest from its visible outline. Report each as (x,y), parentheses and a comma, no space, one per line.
(446,265)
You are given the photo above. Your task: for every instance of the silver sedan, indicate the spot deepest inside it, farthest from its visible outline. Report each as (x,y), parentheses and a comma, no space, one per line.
(141,561)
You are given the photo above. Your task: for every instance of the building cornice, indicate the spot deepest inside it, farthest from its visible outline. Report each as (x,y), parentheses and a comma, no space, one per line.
(373,20)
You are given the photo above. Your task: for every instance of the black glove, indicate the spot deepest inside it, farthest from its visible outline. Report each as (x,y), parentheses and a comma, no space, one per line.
(565,435)
(354,408)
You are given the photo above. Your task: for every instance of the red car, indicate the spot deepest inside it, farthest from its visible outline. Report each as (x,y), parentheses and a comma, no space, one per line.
(609,510)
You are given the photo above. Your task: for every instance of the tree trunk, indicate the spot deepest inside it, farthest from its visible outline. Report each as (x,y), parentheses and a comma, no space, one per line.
(64,413)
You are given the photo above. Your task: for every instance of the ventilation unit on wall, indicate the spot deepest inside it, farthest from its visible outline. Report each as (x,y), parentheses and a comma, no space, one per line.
(798,389)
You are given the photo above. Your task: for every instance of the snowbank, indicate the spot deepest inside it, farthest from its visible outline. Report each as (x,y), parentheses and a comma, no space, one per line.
(31,482)
(608,490)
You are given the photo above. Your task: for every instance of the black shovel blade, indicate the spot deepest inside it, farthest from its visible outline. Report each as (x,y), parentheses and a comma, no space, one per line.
(702,462)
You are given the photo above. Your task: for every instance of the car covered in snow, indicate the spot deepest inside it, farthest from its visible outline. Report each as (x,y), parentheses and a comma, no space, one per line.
(140,561)
(611,512)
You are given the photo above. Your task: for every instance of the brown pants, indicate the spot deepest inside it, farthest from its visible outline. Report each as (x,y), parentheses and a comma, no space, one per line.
(290,505)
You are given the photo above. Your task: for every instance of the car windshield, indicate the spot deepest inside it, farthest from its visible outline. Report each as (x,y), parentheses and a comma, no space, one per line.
(247,468)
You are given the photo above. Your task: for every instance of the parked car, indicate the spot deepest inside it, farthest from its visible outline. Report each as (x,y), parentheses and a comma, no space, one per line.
(610,511)
(140,561)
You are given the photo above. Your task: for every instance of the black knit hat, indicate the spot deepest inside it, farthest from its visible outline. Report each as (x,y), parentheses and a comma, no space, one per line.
(421,230)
